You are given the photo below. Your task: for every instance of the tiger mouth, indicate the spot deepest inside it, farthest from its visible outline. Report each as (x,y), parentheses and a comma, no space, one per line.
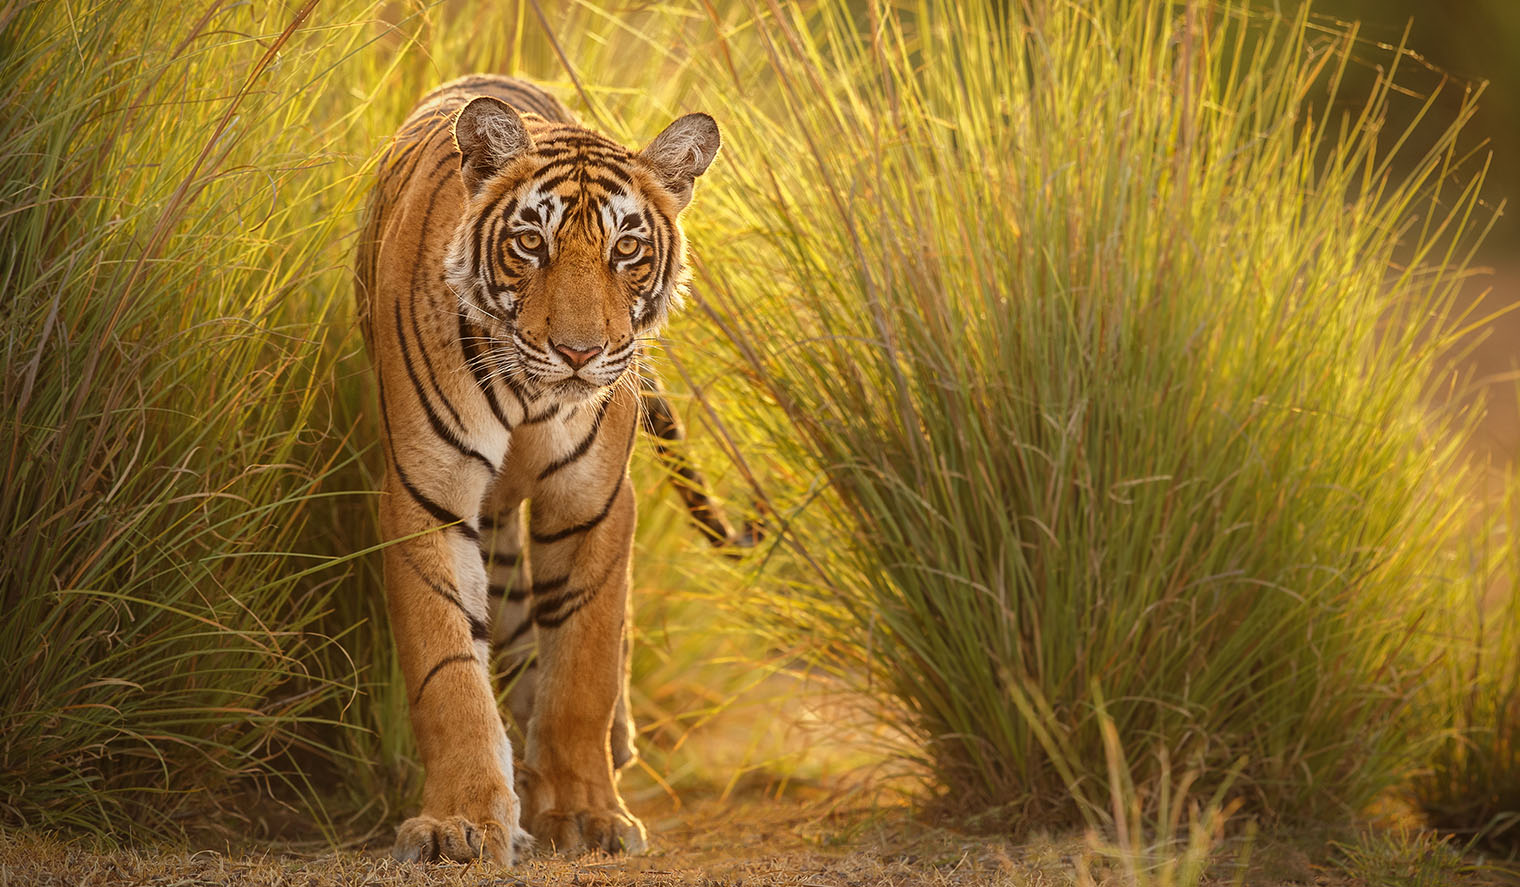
(539,378)
(568,390)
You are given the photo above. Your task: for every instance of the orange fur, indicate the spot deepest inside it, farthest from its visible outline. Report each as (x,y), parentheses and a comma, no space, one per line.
(510,262)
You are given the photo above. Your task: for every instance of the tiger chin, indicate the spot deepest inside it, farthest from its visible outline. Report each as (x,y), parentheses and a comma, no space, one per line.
(510,265)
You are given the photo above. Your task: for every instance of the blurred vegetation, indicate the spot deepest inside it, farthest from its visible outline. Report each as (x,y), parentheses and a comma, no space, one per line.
(1471,42)
(1064,348)
(1468,783)
(1473,781)
(167,422)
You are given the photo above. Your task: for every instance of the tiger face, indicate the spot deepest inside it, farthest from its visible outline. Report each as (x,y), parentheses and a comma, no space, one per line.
(569,250)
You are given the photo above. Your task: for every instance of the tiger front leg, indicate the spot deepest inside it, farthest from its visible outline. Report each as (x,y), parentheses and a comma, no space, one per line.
(436,594)
(515,653)
(580,604)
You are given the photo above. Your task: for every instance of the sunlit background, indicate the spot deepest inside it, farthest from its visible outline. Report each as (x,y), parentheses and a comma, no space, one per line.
(1112,409)
(1462,45)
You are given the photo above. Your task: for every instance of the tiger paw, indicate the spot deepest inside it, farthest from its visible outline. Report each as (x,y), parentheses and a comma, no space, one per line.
(579,831)
(426,839)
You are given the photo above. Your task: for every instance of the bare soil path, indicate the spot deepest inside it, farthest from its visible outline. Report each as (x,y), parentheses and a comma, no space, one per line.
(735,844)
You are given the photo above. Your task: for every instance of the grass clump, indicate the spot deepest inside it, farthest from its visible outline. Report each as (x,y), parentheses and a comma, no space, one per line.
(1470,784)
(1091,332)
(166,421)
(1403,859)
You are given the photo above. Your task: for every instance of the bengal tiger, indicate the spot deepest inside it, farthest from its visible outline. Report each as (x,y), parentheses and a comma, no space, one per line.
(511,264)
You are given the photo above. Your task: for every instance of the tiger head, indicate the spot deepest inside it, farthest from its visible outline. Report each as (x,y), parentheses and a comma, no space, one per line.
(569,249)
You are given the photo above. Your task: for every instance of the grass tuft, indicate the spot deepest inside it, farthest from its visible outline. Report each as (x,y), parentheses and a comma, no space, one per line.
(1094,352)
(163,630)
(1469,785)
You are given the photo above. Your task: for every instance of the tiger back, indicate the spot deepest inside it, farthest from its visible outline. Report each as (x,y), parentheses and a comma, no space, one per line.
(511,263)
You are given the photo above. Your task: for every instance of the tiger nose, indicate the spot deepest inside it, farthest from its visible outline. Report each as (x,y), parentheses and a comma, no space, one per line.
(577,357)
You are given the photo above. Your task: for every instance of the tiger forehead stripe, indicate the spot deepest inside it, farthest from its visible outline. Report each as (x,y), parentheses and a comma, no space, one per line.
(578,138)
(584,157)
(607,178)
(621,213)
(542,207)
(587,152)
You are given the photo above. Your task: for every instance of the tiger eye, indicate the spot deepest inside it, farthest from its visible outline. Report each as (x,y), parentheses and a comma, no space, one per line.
(529,241)
(626,246)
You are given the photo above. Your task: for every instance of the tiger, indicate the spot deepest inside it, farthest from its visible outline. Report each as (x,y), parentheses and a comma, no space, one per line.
(511,265)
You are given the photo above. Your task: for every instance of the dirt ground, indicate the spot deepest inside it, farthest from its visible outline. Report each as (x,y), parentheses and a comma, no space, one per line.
(749,844)
(712,844)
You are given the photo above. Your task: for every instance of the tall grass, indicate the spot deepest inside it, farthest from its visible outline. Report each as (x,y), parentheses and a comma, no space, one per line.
(163,391)
(1470,784)
(1062,336)
(1106,351)
(195,627)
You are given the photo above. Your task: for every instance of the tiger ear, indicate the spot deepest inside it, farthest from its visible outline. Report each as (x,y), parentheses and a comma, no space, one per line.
(682,152)
(488,134)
